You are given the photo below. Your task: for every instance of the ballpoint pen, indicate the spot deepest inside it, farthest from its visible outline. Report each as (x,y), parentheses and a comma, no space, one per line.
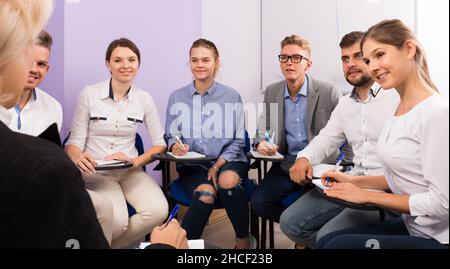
(181,143)
(172,214)
(269,139)
(336,166)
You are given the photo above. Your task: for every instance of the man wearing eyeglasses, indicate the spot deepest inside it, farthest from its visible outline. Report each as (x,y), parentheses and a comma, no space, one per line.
(296,109)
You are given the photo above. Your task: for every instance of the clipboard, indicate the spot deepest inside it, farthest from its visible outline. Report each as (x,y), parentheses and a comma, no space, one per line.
(113,166)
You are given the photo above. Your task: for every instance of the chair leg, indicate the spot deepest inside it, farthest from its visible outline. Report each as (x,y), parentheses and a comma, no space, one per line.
(254,227)
(271,235)
(263,232)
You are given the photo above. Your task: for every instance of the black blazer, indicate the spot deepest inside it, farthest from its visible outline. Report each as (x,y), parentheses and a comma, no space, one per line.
(43,200)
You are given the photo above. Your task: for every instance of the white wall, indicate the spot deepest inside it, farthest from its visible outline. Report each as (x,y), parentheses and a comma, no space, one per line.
(323,23)
(433,33)
(234,26)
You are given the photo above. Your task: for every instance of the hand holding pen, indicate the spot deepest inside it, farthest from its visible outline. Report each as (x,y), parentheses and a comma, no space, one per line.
(267,147)
(180,148)
(336,167)
(170,233)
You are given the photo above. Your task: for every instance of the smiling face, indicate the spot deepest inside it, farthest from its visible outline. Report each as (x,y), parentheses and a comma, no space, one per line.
(123,64)
(355,70)
(39,68)
(295,71)
(388,66)
(203,63)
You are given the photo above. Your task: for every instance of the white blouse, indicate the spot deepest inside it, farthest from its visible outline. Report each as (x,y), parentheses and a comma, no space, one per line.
(103,126)
(414,152)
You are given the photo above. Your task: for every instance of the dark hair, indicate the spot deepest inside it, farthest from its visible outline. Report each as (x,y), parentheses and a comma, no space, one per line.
(205,44)
(350,39)
(396,33)
(45,40)
(122,42)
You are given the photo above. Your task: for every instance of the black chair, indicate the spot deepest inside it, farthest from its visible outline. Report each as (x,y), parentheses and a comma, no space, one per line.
(262,166)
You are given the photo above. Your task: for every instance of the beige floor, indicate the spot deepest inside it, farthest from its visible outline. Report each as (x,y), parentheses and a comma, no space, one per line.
(219,232)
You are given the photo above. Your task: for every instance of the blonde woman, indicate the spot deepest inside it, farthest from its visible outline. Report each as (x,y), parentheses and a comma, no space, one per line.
(413,149)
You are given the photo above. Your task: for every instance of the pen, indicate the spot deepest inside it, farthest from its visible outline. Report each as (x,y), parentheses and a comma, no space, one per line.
(179,141)
(336,166)
(172,214)
(268,138)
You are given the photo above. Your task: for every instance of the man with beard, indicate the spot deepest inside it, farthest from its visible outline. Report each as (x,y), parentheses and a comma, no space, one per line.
(358,119)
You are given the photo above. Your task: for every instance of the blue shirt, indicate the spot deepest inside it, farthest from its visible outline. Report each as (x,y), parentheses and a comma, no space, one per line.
(211,124)
(295,117)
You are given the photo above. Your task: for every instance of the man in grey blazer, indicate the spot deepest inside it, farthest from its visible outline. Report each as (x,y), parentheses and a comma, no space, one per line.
(296,109)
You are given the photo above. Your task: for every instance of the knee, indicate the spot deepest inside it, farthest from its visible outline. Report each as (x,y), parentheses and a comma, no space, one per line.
(229,180)
(257,203)
(287,223)
(156,211)
(206,193)
(119,224)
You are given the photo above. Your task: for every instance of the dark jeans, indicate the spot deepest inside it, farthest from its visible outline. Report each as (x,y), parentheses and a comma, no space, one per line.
(234,200)
(391,234)
(271,190)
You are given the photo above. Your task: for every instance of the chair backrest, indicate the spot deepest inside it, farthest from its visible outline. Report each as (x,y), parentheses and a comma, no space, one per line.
(246,143)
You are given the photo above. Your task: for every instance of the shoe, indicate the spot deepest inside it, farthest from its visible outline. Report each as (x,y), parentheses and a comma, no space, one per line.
(300,246)
(253,242)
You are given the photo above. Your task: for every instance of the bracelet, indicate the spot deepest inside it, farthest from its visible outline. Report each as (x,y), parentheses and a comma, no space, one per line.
(215,168)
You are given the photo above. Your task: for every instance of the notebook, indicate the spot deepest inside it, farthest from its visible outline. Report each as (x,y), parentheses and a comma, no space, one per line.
(189,155)
(258,155)
(321,168)
(111,164)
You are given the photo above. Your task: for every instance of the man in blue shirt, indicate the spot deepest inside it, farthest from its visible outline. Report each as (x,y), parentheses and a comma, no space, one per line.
(295,111)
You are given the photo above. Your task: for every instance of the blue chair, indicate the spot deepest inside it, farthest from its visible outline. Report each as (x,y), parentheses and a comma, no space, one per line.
(178,195)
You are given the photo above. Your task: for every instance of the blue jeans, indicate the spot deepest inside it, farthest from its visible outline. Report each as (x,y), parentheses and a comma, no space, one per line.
(275,186)
(234,200)
(391,234)
(312,217)
(301,220)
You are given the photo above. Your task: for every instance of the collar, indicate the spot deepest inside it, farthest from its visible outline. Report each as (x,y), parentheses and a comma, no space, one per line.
(210,91)
(303,90)
(374,90)
(107,92)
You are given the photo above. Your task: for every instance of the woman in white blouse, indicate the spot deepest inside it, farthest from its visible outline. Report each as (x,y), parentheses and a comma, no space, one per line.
(413,149)
(104,128)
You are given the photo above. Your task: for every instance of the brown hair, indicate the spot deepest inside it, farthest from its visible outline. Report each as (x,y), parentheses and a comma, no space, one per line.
(396,33)
(296,40)
(45,40)
(205,44)
(350,39)
(122,42)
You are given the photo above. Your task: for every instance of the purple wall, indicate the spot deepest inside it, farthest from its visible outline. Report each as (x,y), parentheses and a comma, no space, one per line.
(163,31)
(54,82)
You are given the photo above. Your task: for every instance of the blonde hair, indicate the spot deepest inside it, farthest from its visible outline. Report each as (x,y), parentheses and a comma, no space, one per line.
(20,23)
(296,40)
(396,33)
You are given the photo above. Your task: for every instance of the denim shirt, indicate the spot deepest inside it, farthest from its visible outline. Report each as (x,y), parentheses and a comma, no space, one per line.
(211,124)
(295,116)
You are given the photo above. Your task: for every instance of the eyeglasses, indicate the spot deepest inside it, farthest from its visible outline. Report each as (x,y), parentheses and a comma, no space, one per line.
(296,58)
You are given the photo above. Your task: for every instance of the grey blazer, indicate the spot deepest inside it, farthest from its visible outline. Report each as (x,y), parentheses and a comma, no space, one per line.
(322,99)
